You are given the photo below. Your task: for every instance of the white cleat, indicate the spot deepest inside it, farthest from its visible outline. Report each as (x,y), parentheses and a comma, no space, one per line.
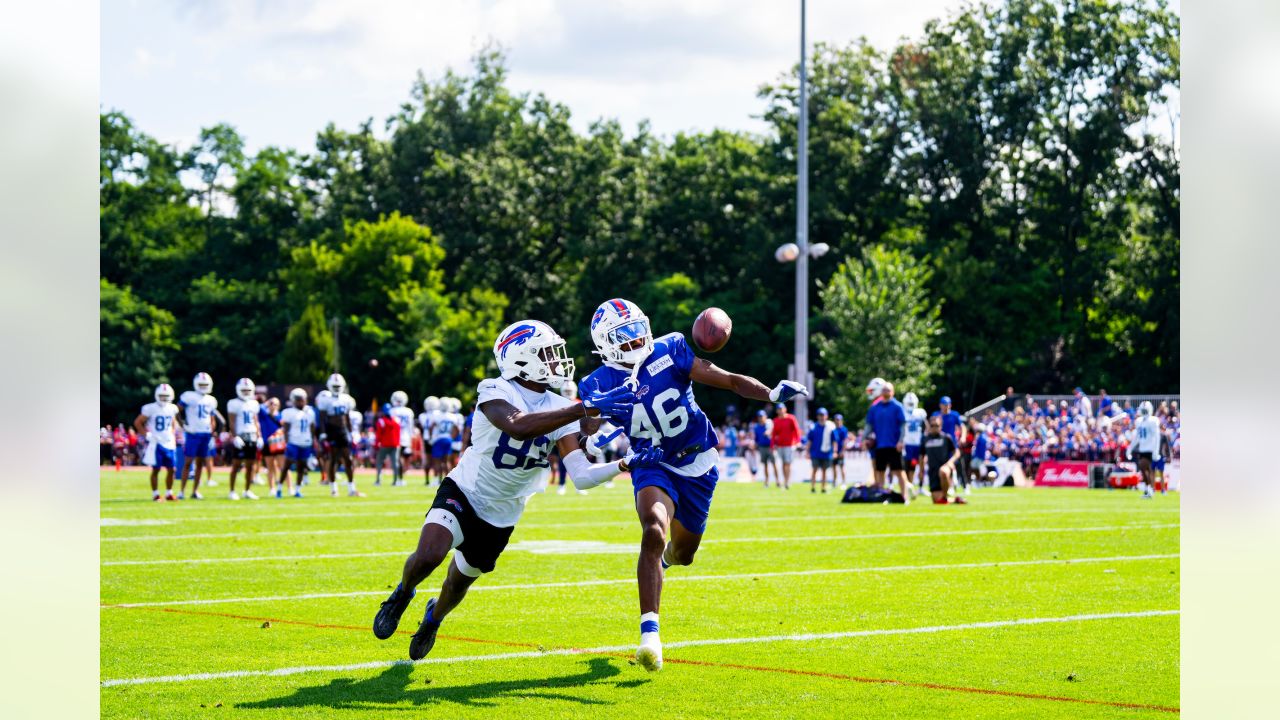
(333,492)
(649,654)
(248,495)
(233,495)
(560,491)
(196,496)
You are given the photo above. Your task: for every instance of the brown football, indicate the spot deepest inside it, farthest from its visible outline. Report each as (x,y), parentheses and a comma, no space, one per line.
(711,330)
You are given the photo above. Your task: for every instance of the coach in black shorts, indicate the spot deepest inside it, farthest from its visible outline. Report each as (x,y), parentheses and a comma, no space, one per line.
(888,420)
(940,455)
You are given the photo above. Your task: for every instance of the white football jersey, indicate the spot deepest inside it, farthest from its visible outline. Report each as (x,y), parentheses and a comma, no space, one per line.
(300,423)
(915,427)
(1146,435)
(333,405)
(160,421)
(243,414)
(404,416)
(199,410)
(497,473)
(443,425)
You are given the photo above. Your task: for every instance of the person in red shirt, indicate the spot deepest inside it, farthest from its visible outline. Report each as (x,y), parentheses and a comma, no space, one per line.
(785,437)
(387,436)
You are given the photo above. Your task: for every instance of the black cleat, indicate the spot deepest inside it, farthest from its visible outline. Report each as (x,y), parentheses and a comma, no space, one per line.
(388,617)
(425,638)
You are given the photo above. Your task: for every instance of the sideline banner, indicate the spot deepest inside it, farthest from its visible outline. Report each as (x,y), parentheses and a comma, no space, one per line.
(1061,473)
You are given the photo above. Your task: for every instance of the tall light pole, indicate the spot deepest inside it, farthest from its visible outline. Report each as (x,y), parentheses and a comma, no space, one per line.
(802,232)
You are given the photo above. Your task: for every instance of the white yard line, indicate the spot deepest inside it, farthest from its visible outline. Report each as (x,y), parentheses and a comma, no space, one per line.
(932,533)
(674,577)
(603,649)
(412,530)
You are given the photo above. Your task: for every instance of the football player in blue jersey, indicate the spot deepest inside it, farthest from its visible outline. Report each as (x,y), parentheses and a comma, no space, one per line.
(675,496)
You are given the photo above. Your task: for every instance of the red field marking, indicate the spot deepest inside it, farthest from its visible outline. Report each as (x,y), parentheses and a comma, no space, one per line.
(928,686)
(704,663)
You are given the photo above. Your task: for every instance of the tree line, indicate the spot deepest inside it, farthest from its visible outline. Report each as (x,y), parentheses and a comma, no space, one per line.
(1000,193)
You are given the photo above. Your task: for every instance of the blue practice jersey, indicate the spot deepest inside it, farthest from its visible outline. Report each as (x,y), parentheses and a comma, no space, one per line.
(666,414)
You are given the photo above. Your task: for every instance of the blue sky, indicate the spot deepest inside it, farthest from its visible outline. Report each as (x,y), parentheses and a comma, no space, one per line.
(279,70)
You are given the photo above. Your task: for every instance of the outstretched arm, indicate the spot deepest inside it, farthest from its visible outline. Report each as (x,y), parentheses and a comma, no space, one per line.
(705,372)
(521,425)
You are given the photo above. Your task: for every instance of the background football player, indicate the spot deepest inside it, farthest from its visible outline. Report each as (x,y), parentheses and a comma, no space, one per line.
(200,414)
(246,437)
(478,505)
(335,414)
(674,496)
(403,415)
(302,435)
(156,423)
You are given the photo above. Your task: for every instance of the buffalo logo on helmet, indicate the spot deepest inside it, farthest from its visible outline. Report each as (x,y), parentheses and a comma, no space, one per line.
(517,336)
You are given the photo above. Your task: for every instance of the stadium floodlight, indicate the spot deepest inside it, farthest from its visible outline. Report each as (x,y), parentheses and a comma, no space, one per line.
(787,253)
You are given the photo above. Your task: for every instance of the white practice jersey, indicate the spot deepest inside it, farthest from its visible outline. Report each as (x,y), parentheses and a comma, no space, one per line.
(497,473)
(443,424)
(404,416)
(199,410)
(243,414)
(915,427)
(1146,435)
(160,420)
(300,423)
(334,405)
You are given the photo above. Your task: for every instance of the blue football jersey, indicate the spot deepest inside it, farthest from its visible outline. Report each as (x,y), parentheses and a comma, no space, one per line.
(666,413)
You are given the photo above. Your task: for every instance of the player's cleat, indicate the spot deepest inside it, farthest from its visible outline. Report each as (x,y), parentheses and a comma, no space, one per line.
(582,492)
(171,497)
(279,493)
(959,501)
(297,493)
(233,495)
(561,491)
(248,495)
(377,482)
(355,493)
(425,638)
(196,496)
(180,496)
(333,491)
(157,497)
(649,654)
(388,617)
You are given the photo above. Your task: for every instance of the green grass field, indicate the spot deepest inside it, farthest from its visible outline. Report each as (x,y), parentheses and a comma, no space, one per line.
(1027,603)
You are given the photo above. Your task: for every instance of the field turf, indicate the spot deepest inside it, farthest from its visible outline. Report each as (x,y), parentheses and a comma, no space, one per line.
(1028,603)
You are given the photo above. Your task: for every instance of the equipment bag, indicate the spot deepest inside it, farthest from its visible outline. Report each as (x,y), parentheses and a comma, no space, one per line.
(870,494)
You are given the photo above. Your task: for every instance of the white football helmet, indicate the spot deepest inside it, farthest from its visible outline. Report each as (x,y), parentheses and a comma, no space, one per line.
(202,383)
(431,404)
(297,394)
(399,398)
(616,324)
(911,402)
(164,393)
(454,404)
(1145,408)
(245,388)
(336,384)
(874,387)
(531,350)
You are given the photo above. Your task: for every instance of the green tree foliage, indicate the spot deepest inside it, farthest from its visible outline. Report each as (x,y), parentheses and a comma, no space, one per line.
(1016,151)
(882,321)
(308,348)
(137,347)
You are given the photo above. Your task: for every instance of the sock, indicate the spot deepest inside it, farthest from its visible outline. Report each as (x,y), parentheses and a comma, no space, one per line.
(648,626)
(155,493)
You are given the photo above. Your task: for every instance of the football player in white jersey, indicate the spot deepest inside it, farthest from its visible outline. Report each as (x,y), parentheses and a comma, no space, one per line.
(155,423)
(246,436)
(335,413)
(427,418)
(403,415)
(1144,441)
(911,440)
(302,435)
(455,417)
(200,422)
(443,432)
(478,505)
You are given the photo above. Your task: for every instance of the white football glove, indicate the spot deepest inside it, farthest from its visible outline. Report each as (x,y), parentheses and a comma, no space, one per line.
(259,443)
(238,442)
(786,390)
